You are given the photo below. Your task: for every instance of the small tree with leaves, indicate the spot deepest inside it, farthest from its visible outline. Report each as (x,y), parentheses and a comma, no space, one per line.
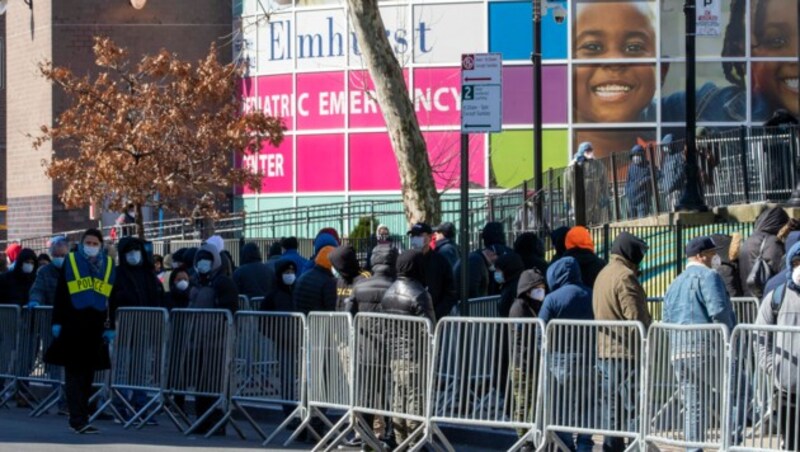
(162,128)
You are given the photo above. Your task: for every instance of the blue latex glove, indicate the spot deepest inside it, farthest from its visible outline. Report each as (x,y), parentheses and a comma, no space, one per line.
(56,330)
(32,304)
(109,336)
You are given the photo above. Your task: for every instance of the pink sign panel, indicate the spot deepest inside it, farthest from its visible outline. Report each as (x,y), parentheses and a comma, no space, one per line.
(275,98)
(320,163)
(364,109)
(437,96)
(275,165)
(373,166)
(321,100)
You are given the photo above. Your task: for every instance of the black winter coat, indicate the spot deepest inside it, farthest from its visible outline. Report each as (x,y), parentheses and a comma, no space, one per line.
(315,290)
(136,286)
(590,265)
(512,266)
(440,283)
(176,299)
(447,249)
(280,298)
(531,250)
(481,282)
(767,226)
(368,293)
(406,297)
(253,278)
(15,285)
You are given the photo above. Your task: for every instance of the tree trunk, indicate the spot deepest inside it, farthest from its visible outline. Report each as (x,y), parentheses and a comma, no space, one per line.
(139,222)
(420,197)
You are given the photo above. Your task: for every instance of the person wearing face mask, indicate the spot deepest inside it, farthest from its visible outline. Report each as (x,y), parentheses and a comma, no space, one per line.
(580,245)
(781,307)
(179,285)
(595,184)
(530,295)
(347,272)
(506,274)
(638,187)
(696,297)
(15,285)
(482,262)
(253,278)
(137,285)
(83,324)
(438,272)
(382,236)
(618,295)
(763,243)
(43,291)
(280,297)
(315,289)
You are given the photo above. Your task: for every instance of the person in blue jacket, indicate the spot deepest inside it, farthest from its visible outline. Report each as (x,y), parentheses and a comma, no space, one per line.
(570,299)
(638,185)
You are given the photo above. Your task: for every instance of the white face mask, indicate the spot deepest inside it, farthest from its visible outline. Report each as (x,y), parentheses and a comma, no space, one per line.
(204,266)
(336,274)
(537,294)
(27,268)
(133,257)
(91,251)
(796,276)
(182,285)
(498,277)
(716,262)
(589,155)
(417,242)
(637,159)
(288,278)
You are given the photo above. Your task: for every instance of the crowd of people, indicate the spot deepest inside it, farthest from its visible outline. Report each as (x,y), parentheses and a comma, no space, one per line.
(85,284)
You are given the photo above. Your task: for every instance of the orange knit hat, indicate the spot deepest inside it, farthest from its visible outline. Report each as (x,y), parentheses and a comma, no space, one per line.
(322,258)
(579,237)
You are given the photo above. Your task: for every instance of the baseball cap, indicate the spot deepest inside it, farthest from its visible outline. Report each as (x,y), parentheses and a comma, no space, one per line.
(446,228)
(699,245)
(420,228)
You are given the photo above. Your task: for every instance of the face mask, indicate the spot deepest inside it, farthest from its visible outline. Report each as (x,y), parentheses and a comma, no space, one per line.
(58,262)
(589,155)
(637,159)
(91,251)
(537,294)
(383,237)
(716,262)
(796,276)
(498,277)
(27,268)
(203,266)
(491,268)
(133,257)
(288,278)
(417,242)
(182,285)
(132,213)
(335,273)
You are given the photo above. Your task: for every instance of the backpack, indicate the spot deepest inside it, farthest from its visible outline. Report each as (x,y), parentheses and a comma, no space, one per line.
(777,300)
(759,274)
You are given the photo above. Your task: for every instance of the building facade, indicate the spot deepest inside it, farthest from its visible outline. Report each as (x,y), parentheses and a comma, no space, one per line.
(614,74)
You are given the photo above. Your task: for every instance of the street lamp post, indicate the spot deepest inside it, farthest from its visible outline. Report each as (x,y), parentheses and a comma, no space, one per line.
(691,198)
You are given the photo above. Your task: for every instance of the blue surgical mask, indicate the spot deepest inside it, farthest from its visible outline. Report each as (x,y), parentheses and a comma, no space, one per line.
(203,266)
(58,262)
(133,257)
(91,251)
(498,277)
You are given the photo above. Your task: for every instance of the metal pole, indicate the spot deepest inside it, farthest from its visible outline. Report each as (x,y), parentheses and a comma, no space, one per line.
(464,284)
(691,198)
(536,59)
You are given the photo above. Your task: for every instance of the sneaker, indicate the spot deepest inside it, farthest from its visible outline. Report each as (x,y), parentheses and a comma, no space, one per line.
(87,429)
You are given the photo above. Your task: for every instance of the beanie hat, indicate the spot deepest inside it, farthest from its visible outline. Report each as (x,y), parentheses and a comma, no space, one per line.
(322,259)
(217,242)
(332,232)
(579,237)
(12,251)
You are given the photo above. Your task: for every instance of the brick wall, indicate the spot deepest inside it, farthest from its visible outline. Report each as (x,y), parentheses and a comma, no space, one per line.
(63,33)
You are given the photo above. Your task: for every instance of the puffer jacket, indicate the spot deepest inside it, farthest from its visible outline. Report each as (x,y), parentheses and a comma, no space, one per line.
(512,266)
(618,295)
(214,290)
(280,298)
(136,285)
(768,224)
(44,286)
(345,262)
(407,296)
(254,278)
(783,365)
(368,293)
(315,290)
(15,285)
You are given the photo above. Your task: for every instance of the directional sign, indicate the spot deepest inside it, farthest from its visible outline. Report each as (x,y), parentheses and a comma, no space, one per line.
(481,92)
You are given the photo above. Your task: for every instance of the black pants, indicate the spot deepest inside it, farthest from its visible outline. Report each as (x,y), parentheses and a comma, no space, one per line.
(788,418)
(203,404)
(78,386)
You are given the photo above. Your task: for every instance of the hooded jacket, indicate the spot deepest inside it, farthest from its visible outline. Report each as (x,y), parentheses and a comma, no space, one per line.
(136,286)
(280,297)
(783,366)
(580,246)
(767,226)
(524,306)
(15,285)
(558,237)
(214,290)
(785,272)
(512,266)
(368,293)
(344,260)
(440,283)
(321,241)
(531,250)
(618,295)
(568,297)
(177,299)
(253,278)
(315,290)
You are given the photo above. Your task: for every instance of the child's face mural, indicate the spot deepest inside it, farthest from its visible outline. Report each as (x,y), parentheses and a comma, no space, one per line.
(613,92)
(774,34)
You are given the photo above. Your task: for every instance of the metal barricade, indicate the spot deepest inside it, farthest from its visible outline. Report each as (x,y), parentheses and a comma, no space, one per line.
(593,382)
(687,367)
(484,306)
(244,303)
(391,377)
(330,370)
(746,309)
(9,337)
(255,303)
(485,370)
(198,364)
(35,338)
(655,306)
(138,364)
(268,365)
(765,377)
